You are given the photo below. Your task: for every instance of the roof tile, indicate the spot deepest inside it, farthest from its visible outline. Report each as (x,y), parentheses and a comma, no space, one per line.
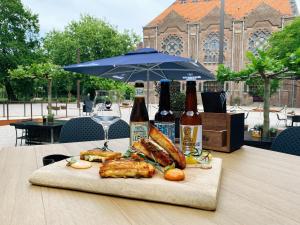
(195,11)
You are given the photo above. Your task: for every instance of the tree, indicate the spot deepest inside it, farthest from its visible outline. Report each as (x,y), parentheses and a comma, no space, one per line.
(280,60)
(285,46)
(88,39)
(18,40)
(261,68)
(42,71)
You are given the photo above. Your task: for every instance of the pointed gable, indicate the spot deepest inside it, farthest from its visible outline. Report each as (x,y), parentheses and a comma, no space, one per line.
(173,19)
(265,12)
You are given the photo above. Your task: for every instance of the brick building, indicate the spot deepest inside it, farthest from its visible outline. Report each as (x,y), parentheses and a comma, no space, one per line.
(190,28)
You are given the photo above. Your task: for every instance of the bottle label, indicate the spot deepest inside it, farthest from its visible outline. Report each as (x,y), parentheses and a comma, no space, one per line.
(139,92)
(138,130)
(191,139)
(167,129)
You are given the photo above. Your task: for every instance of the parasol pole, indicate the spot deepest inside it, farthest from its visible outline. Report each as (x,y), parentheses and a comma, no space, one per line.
(148,86)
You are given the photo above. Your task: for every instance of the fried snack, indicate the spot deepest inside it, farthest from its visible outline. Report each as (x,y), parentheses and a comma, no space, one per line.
(167,145)
(174,175)
(97,155)
(152,151)
(126,168)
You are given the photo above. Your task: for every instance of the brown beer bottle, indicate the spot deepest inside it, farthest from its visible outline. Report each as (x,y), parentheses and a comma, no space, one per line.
(164,119)
(190,122)
(139,119)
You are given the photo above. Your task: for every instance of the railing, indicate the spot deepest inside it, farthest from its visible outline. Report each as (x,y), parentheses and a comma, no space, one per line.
(18,109)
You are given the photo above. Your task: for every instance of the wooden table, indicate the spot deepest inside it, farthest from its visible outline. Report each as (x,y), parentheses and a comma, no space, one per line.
(258,187)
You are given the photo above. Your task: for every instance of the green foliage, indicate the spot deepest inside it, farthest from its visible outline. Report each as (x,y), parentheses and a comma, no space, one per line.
(261,66)
(18,39)
(89,39)
(177,101)
(92,83)
(41,71)
(29,80)
(257,85)
(285,45)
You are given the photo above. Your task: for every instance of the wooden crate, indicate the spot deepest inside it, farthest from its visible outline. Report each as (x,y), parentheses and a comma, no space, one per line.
(223,131)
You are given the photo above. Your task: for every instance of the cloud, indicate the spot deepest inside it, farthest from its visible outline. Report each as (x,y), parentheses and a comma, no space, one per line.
(129,14)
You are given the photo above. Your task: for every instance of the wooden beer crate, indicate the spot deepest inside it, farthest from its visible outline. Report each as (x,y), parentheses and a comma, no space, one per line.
(223,131)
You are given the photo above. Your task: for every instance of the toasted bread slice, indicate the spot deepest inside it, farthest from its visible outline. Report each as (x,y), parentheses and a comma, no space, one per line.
(168,145)
(153,151)
(126,168)
(97,155)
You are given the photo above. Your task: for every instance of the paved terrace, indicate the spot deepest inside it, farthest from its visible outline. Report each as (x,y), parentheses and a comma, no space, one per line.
(7,133)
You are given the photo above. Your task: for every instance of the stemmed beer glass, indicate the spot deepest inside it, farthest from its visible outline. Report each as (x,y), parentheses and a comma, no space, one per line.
(106,113)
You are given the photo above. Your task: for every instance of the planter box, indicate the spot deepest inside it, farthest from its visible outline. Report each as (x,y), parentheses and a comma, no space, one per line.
(223,131)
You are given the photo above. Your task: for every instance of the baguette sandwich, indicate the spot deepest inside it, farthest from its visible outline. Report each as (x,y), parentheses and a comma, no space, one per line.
(153,151)
(168,145)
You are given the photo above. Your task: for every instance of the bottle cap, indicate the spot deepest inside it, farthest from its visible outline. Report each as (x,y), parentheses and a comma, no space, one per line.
(164,81)
(139,83)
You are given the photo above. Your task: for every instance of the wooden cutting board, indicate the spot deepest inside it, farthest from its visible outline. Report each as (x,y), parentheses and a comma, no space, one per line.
(199,189)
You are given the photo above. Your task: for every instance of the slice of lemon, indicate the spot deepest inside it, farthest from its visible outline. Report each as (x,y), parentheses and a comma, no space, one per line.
(191,159)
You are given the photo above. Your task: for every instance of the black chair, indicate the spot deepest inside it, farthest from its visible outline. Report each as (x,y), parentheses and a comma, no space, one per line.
(81,129)
(288,141)
(120,129)
(280,119)
(295,119)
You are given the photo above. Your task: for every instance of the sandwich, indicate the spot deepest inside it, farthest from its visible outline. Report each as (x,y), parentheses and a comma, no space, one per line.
(153,151)
(168,146)
(125,168)
(98,155)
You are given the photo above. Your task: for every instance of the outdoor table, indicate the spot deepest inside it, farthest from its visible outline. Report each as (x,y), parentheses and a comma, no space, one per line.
(294,119)
(30,126)
(260,142)
(257,187)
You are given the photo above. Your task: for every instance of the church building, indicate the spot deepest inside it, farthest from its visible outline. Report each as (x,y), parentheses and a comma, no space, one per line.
(190,28)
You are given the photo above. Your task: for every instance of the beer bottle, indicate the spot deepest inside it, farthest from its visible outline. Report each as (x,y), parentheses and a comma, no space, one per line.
(164,119)
(190,122)
(139,119)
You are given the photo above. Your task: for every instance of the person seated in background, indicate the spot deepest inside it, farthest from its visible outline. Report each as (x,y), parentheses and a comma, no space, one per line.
(87,104)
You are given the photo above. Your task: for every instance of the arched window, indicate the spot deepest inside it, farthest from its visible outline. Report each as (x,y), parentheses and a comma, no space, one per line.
(172,45)
(258,40)
(211,48)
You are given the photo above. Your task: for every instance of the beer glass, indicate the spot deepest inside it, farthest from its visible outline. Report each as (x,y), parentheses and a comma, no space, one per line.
(107,113)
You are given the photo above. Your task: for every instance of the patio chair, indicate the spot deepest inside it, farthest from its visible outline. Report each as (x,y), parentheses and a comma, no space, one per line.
(279,119)
(288,141)
(22,136)
(81,129)
(120,129)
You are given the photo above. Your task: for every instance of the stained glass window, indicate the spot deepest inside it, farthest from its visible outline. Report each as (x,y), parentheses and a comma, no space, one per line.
(211,48)
(258,40)
(172,45)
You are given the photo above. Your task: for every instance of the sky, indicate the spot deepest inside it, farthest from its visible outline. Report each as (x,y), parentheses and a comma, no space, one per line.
(125,14)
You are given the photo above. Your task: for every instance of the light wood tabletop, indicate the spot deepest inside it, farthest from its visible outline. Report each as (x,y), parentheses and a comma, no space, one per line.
(257,187)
